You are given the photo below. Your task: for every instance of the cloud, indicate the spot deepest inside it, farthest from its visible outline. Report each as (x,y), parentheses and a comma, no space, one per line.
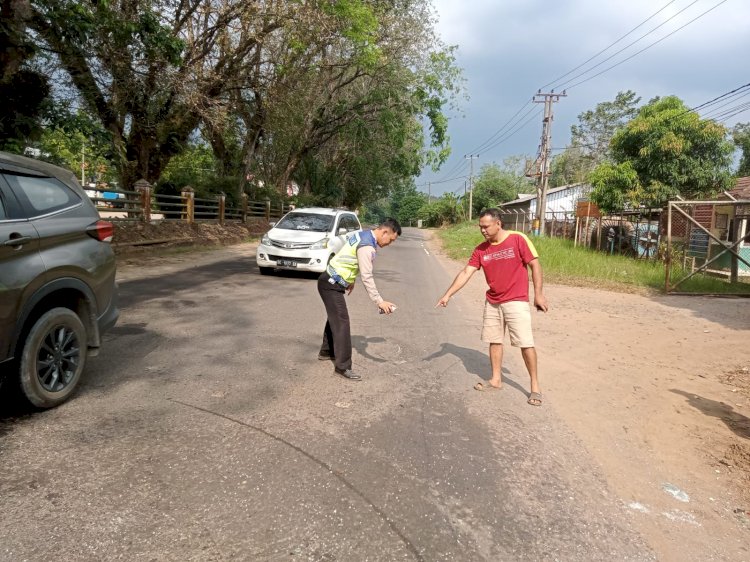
(510,49)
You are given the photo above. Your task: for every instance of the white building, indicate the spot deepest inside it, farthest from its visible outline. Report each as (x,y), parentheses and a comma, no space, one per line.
(559,199)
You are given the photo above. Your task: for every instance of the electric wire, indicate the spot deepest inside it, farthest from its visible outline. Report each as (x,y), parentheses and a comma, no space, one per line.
(712,112)
(507,124)
(737,93)
(660,10)
(626,47)
(510,134)
(642,50)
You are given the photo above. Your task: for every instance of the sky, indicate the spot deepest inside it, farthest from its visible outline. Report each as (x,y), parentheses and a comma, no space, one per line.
(509,49)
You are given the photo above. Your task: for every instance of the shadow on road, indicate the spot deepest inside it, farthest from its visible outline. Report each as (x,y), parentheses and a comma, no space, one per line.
(360,343)
(730,312)
(244,270)
(475,362)
(735,421)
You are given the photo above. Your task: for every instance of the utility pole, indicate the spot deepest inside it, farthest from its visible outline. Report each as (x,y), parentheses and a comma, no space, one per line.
(429,192)
(83,164)
(471,157)
(545,149)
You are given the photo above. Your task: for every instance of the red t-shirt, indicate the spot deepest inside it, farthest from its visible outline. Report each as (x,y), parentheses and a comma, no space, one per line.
(504,267)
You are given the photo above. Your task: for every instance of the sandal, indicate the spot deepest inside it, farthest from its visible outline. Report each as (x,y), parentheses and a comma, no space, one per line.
(535,399)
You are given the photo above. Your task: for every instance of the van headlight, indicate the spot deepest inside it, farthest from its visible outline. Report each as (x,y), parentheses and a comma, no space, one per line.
(265,240)
(320,244)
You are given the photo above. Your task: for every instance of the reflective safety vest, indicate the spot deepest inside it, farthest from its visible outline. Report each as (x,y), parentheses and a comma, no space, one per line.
(344,264)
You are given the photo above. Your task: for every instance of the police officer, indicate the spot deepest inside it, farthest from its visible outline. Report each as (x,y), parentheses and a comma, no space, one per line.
(354,258)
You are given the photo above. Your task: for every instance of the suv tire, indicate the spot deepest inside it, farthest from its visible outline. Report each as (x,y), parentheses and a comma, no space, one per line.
(53,358)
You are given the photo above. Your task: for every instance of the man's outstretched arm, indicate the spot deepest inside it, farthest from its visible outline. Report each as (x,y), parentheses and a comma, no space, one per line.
(461,279)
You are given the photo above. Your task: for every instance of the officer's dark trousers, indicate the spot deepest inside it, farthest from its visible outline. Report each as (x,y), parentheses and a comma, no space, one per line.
(337,337)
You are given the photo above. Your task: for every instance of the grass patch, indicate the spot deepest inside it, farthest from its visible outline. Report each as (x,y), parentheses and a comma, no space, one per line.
(568,265)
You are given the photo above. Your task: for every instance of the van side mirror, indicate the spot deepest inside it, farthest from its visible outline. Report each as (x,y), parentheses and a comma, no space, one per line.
(342,230)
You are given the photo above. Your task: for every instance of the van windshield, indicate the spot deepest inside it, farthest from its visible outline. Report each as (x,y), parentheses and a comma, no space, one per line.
(306,221)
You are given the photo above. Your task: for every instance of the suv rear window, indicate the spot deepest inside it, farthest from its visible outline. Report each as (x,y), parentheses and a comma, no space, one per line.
(42,195)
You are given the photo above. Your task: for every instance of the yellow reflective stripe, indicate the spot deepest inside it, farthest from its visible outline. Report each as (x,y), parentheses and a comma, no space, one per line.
(528,242)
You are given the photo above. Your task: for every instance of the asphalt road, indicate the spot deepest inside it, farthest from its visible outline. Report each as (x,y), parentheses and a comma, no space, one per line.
(208,430)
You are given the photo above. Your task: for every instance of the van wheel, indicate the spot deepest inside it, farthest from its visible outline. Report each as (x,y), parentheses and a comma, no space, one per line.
(53,358)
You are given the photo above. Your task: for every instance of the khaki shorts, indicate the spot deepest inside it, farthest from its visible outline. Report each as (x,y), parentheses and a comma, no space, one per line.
(513,315)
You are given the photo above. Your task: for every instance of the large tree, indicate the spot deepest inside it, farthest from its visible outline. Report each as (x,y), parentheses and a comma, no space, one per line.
(665,151)
(590,138)
(24,90)
(269,84)
(741,138)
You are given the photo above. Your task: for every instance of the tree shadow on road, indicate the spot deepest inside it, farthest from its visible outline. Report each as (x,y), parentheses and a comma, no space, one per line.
(474,362)
(730,312)
(735,421)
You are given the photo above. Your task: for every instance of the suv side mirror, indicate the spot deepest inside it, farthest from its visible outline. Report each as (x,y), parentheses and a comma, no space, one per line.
(342,230)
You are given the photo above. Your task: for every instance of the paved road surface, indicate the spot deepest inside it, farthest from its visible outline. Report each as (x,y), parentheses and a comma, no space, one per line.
(207,430)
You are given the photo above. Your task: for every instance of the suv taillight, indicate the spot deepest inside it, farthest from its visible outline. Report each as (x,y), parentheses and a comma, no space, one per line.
(102,231)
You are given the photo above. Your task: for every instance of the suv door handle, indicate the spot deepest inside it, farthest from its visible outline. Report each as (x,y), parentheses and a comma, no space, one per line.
(18,240)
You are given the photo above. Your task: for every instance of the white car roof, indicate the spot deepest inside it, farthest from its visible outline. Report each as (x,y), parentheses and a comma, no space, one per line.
(320,210)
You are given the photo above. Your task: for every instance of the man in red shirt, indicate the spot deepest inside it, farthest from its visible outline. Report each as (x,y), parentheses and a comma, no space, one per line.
(504,257)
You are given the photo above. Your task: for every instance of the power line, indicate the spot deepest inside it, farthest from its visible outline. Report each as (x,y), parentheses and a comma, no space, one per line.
(731,112)
(660,10)
(510,134)
(645,48)
(741,91)
(450,172)
(626,47)
(482,147)
(718,109)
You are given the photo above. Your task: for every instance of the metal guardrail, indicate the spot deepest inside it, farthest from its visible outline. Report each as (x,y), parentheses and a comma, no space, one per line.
(142,204)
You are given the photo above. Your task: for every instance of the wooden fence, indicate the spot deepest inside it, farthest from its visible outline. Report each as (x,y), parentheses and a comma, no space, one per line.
(143,205)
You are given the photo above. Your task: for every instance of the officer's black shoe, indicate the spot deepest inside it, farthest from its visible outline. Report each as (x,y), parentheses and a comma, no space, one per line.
(348,373)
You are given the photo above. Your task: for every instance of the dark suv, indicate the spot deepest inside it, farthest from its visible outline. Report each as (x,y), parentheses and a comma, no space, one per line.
(57,279)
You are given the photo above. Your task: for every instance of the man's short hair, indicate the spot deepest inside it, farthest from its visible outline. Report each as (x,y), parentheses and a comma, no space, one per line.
(493,212)
(392,224)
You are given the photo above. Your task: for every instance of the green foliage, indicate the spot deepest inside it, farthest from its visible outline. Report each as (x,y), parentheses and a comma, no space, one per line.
(444,211)
(566,264)
(596,127)
(406,204)
(334,95)
(195,167)
(24,90)
(741,138)
(614,186)
(671,150)
(496,185)
(590,139)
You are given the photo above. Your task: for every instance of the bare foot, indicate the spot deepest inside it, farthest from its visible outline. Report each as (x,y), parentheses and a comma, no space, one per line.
(487,386)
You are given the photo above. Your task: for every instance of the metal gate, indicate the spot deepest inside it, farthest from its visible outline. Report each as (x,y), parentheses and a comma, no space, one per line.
(710,238)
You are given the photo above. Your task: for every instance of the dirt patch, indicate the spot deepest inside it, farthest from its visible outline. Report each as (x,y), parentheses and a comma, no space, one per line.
(139,238)
(658,390)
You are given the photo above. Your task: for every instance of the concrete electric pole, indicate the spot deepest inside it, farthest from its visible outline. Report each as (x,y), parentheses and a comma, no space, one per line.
(471,157)
(545,150)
